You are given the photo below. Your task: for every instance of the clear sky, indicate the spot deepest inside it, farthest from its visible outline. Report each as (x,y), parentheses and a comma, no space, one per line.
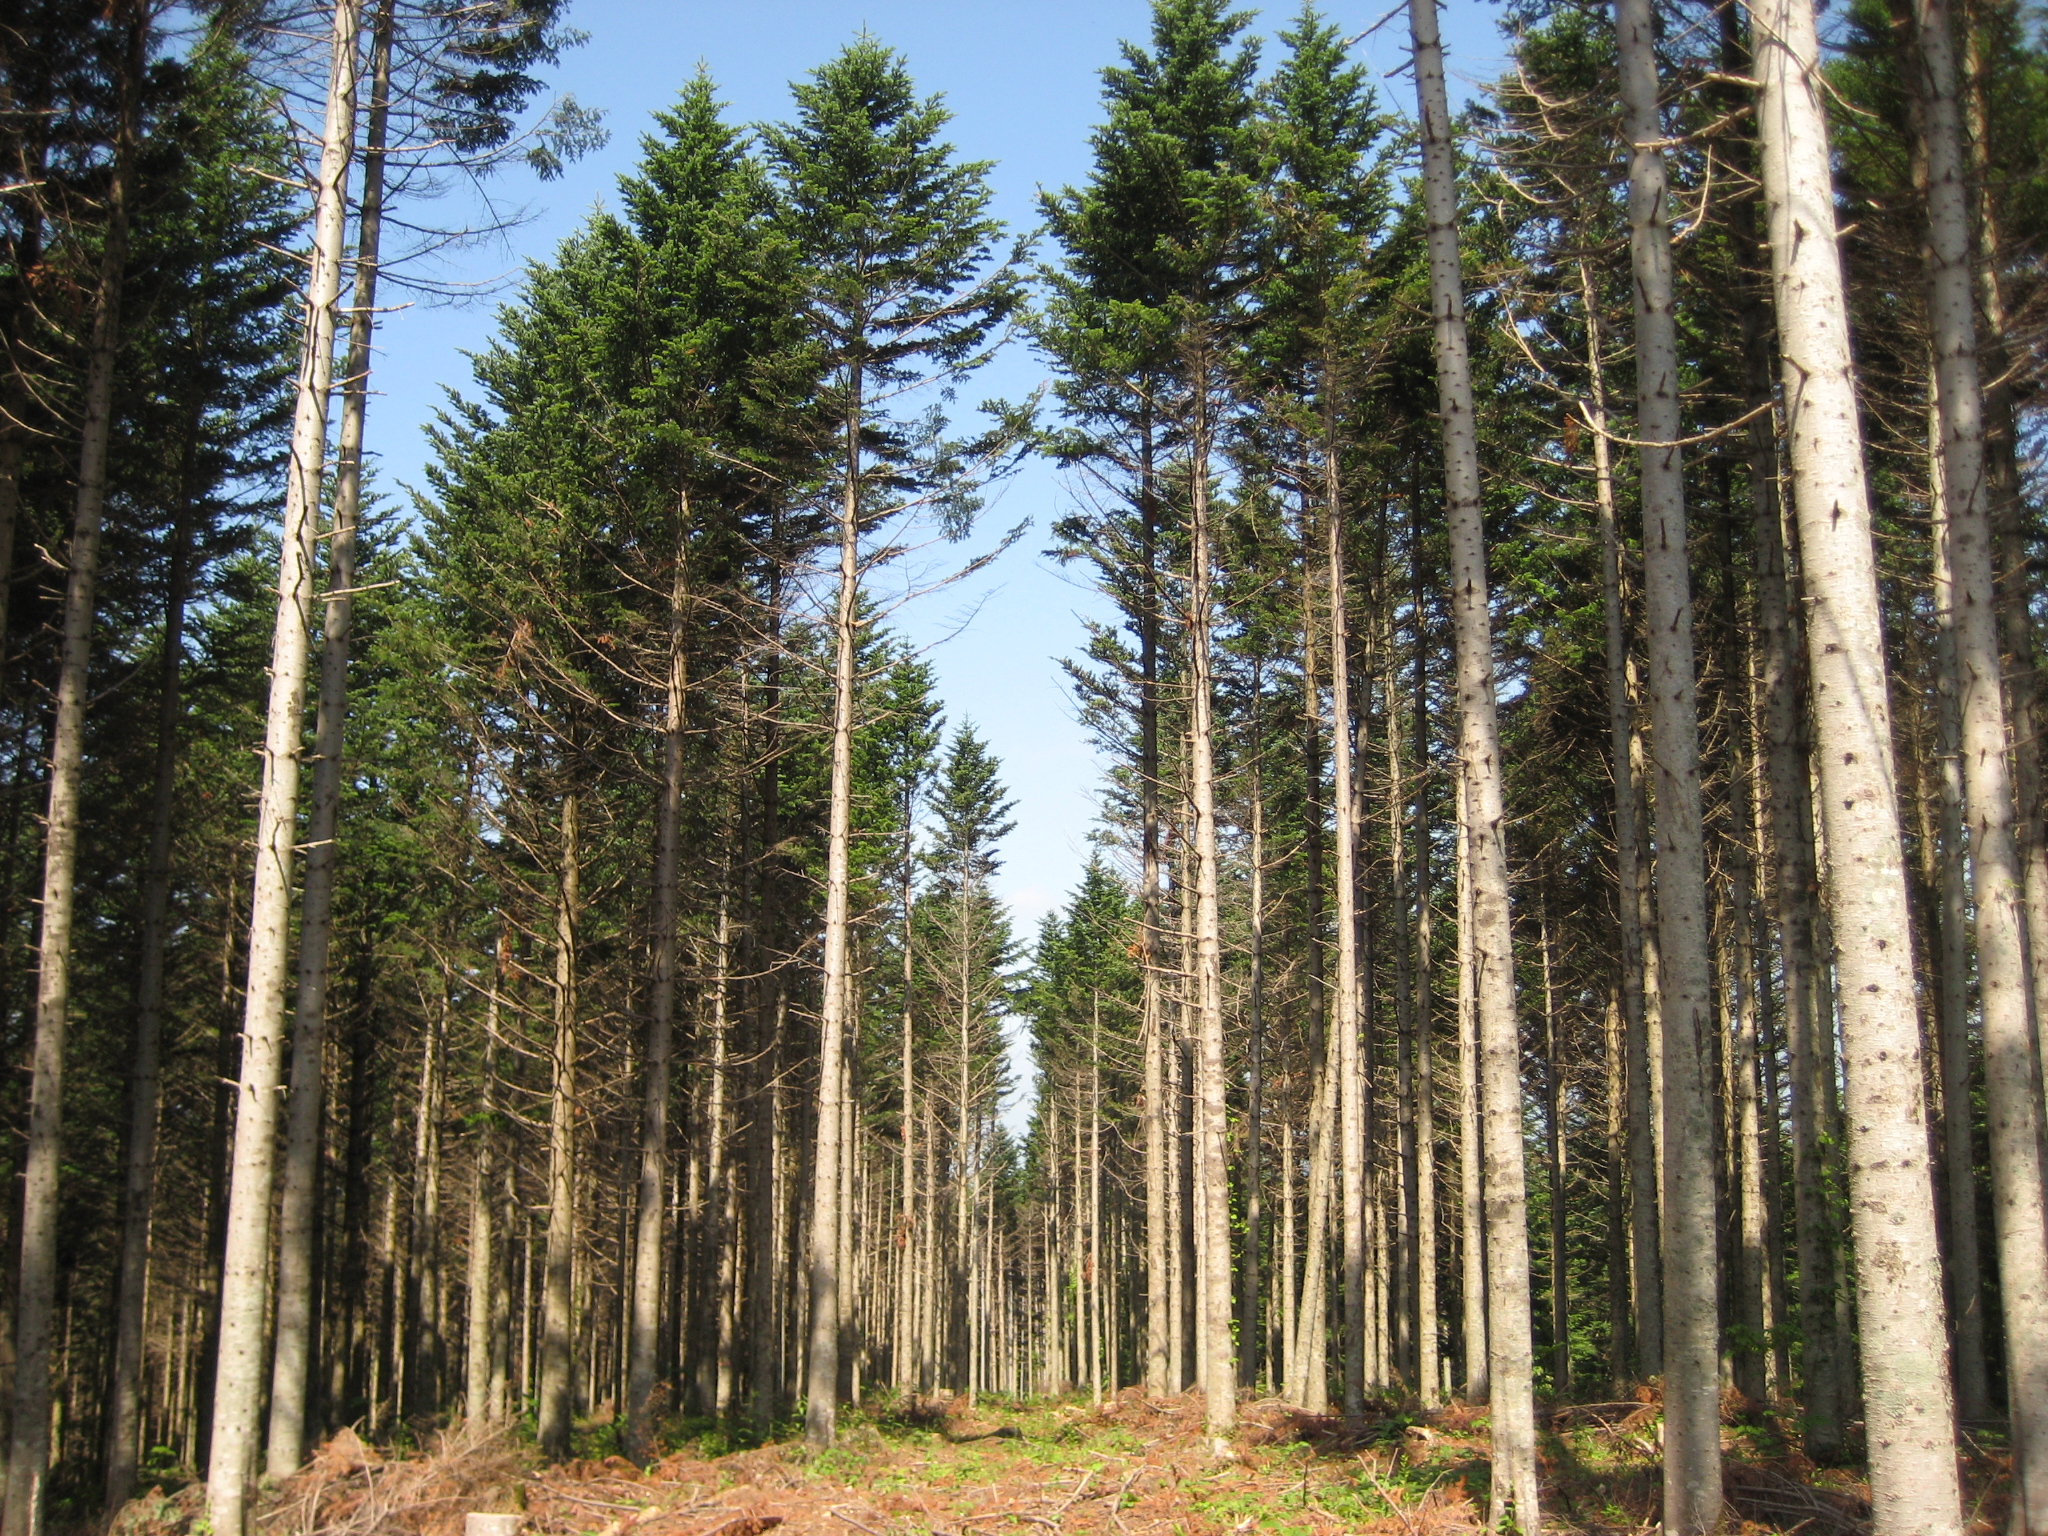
(1023,83)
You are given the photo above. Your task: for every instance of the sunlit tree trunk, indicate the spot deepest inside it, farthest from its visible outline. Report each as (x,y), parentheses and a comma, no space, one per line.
(1471,1157)
(1249,1295)
(1906,1390)
(245,1274)
(1509,1340)
(294,1324)
(2012,1062)
(1428,1366)
(554,1406)
(1158,1313)
(822,1380)
(1692,1424)
(1212,1175)
(1344,1011)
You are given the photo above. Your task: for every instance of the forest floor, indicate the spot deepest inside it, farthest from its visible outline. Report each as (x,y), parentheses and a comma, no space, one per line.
(1133,1467)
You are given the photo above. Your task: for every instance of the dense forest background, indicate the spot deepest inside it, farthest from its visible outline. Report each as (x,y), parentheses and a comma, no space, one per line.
(1568,915)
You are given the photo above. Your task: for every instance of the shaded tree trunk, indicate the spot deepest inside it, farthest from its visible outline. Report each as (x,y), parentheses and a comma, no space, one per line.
(37,1282)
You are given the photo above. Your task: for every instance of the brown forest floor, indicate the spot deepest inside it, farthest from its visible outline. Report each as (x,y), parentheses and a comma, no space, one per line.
(1135,1467)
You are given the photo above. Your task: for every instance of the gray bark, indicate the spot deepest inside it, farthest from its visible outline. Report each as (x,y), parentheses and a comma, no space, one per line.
(138,1187)
(1344,1009)
(1645,1254)
(650,1233)
(1514,1486)
(1906,1391)
(1952,988)
(295,1325)
(1692,1423)
(2012,1061)
(29,1453)
(822,1382)
(245,1274)
(554,1406)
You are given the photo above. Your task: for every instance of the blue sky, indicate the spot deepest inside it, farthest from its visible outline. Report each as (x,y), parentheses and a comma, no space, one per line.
(1022,81)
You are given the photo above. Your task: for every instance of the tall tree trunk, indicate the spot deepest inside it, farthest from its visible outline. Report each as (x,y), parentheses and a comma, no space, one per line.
(1781,681)
(423,1247)
(904,1374)
(1428,1366)
(29,1455)
(138,1184)
(1963,1249)
(650,1235)
(1906,1390)
(1507,1249)
(1471,1159)
(479,1400)
(2002,480)
(1252,1343)
(1344,1020)
(555,1407)
(1157,1311)
(245,1274)
(822,1384)
(1692,1388)
(1212,1176)
(295,1325)
(1554,1147)
(1644,1250)
(1307,1379)
(2012,1062)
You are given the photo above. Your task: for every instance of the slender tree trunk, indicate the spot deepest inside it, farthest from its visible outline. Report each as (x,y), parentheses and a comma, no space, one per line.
(1964,1245)
(29,1456)
(1906,1390)
(1644,1250)
(1471,1159)
(650,1235)
(138,1186)
(1307,1380)
(1781,682)
(2012,1062)
(1212,1203)
(904,1373)
(1157,1311)
(1428,1367)
(1408,1167)
(2002,480)
(424,1245)
(1344,1020)
(1255,1087)
(822,1384)
(555,1407)
(295,1325)
(1553,1135)
(1507,1251)
(1692,1423)
(245,1275)
(479,1401)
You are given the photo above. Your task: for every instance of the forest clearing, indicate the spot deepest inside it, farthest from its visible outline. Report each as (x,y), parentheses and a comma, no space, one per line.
(518,995)
(1131,1467)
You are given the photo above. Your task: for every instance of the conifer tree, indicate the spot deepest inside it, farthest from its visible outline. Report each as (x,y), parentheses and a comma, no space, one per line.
(903,284)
